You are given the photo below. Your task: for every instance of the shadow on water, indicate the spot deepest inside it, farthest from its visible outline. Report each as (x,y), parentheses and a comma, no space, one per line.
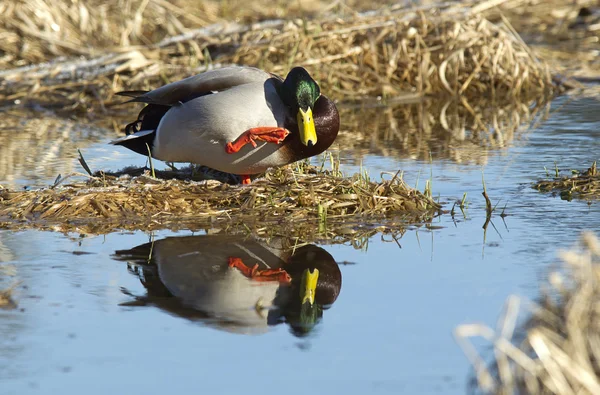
(235,284)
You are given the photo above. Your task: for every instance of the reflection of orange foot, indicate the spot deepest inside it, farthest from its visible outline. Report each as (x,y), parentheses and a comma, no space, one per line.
(253,273)
(264,133)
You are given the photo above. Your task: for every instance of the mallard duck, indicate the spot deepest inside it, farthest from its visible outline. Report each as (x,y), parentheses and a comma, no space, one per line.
(238,120)
(240,285)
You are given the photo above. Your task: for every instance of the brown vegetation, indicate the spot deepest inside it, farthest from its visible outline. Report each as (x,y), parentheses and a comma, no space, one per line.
(443,49)
(584,185)
(563,33)
(306,202)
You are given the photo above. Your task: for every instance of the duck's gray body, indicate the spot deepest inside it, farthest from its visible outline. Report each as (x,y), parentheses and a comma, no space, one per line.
(231,299)
(197,128)
(190,277)
(197,131)
(195,270)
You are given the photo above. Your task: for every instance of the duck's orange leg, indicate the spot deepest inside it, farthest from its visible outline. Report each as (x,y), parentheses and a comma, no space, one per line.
(253,273)
(269,134)
(246,180)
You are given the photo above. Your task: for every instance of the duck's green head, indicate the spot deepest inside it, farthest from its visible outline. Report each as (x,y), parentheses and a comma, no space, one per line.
(300,92)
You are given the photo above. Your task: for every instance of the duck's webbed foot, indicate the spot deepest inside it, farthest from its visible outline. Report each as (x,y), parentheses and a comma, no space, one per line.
(253,273)
(264,133)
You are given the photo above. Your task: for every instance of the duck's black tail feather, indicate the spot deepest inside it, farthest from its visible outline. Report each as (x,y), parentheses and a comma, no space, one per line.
(140,133)
(132,93)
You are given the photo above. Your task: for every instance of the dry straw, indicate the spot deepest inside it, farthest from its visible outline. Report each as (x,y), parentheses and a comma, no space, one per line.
(560,348)
(449,49)
(564,33)
(305,202)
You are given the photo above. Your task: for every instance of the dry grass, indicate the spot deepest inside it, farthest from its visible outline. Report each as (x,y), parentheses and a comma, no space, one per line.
(448,49)
(584,185)
(36,31)
(560,351)
(558,33)
(305,202)
(550,21)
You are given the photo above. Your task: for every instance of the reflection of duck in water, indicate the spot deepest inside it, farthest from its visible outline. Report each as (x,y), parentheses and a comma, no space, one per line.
(235,284)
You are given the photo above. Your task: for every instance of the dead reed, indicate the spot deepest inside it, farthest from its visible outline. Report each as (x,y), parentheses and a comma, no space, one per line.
(36,31)
(560,348)
(562,32)
(581,185)
(303,201)
(78,55)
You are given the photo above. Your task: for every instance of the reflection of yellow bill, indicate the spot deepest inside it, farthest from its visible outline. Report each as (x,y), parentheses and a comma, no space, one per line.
(308,287)
(306,126)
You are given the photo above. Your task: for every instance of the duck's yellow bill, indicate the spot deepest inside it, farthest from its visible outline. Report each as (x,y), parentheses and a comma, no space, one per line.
(308,287)
(306,126)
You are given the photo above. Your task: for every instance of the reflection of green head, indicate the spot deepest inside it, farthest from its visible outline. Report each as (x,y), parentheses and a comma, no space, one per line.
(318,280)
(304,321)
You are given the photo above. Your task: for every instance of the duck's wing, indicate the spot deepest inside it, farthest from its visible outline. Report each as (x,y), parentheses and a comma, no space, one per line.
(199,85)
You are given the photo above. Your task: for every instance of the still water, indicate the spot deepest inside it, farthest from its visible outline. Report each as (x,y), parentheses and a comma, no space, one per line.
(95,315)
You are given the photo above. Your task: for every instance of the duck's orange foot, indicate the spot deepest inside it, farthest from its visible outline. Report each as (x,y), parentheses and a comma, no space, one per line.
(246,180)
(253,273)
(264,133)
